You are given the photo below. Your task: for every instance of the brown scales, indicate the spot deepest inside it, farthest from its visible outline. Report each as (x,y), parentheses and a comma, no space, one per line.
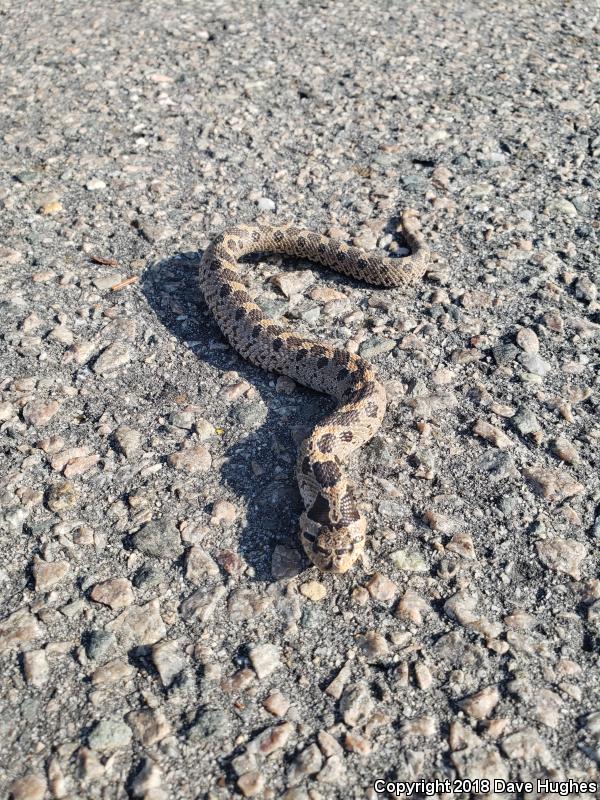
(332,527)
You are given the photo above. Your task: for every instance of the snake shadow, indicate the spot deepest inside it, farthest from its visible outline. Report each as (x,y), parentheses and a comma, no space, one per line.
(258,466)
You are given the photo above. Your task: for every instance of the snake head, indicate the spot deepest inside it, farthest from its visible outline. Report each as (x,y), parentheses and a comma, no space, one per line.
(333,549)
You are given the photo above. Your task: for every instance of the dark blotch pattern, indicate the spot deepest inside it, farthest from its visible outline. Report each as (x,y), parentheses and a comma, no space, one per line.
(277,344)
(229,274)
(225,290)
(327,473)
(322,362)
(240,296)
(326,442)
(366,391)
(320,510)
(341,358)
(346,436)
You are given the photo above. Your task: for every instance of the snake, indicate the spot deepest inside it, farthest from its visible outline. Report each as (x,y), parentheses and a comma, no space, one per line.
(332,527)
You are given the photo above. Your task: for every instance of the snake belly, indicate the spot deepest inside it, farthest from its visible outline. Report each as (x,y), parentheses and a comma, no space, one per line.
(332,527)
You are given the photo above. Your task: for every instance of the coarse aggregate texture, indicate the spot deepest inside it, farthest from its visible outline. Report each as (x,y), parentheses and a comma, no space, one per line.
(161,635)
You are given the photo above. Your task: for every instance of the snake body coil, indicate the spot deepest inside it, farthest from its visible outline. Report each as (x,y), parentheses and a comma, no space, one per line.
(332,529)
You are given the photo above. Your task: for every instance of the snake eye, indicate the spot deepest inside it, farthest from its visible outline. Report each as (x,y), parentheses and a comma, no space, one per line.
(343,550)
(321,549)
(310,537)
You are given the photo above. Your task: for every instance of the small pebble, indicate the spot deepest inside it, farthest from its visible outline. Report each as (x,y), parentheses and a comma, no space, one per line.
(276,704)
(482,703)
(251,783)
(29,787)
(128,440)
(115,593)
(223,513)
(307,762)
(139,625)
(109,734)
(420,726)
(191,460)
(585,289)
(115,671)
(95,184)
(562,555)
(375,346)
(565,450)
(492,434)
(265,658)
(293,283)
(336,687)
(527,340)
(39,412)
(271,739)
(198,565)
(462,545)
(382,589)
(168,660)
(412,607)
(409,562)
(35,667)
(356,705)
(423,676)
(313,590)
(525,421)
(265,204)
(99,643)
(552,484)
(47,574)
(159,538)
(112,359)
(149,725)
(373,646)
(286,562)
(535,363)
(354,743)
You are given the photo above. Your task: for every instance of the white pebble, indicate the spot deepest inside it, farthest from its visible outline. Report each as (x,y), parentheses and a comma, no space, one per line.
(265,204)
